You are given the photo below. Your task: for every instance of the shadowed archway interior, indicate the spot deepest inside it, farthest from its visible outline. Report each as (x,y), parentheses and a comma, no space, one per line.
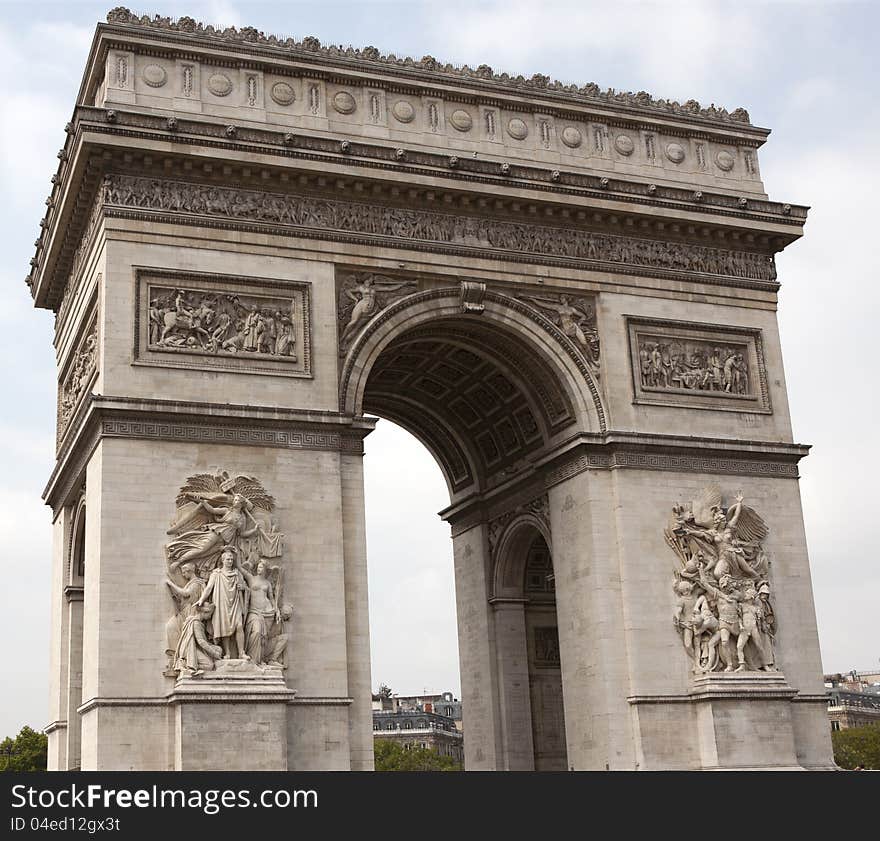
(481,400)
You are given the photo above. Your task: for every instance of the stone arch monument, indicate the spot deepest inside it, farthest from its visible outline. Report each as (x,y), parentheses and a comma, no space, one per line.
(253,246)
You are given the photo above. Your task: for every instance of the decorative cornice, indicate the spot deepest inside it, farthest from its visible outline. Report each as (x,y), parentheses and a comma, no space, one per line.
(639,451)
(219,424)
(723,686)
(362,153)
(615,450)
(428,68)
(318,701)
(410,163)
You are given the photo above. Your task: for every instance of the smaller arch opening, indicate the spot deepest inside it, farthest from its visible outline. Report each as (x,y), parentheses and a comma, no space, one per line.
(526,595)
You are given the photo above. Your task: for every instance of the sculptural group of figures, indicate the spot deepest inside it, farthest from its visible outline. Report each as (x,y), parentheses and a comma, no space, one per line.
(221,323)
(78,379)
(693,367)
(723,610)
(227,594)
(364,296)
(430,226)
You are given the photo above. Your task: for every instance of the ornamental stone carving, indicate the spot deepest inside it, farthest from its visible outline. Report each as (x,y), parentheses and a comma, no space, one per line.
(723,607)
(694,366)
(431,226)
(220,322)
(224,575)
(461,120)
(724,160)
(624,145)
(362,297)
(517,129)
(79,376)
(282,93)
(538,508)
(572,137)
(403,111)
(154,75)
(311,46)
(675,152)
(472,293)
(207,322)
(344,103)
(713,366)
(575,317)
(220,84)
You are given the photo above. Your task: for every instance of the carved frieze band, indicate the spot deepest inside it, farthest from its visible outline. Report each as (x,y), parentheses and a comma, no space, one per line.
(310,213)
(710,366)
(219,322)
(538,508)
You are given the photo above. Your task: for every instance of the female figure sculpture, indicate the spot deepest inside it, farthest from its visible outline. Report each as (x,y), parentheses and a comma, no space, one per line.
(366,303)
(201,543)
(262,612)
(184,597)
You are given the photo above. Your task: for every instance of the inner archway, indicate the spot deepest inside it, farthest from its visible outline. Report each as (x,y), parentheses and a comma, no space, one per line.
(489,401)
(413,633)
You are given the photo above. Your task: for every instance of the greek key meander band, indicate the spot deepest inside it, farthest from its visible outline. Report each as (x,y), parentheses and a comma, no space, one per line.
(223,434)
(667,461)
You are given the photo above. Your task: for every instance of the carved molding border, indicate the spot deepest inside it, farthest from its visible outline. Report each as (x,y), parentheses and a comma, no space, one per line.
(727,463)
(755,401)
(497,527)
(427,68)
(629,451)
(584,186)
(495,238)
(160,420)
(145,353)
(453,293)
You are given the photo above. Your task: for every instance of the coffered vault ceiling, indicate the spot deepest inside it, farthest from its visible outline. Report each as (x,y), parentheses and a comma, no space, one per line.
(477,398)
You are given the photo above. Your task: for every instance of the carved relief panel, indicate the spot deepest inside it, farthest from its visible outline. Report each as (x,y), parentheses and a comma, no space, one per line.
(217,322)
(702,366)
(723,606)
(78,376)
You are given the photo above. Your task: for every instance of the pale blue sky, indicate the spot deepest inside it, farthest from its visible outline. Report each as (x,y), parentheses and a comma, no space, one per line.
(806,70)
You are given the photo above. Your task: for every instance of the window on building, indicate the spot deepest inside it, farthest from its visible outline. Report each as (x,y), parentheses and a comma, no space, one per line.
(835,725)
(407,725)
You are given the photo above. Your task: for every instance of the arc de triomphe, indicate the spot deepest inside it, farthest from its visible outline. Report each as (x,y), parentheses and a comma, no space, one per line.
(255,245)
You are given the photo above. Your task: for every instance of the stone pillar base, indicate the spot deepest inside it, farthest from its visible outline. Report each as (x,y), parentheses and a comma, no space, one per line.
(744,721)
(231,718)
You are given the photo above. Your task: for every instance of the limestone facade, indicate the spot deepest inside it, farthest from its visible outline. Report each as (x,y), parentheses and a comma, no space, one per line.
(252,247)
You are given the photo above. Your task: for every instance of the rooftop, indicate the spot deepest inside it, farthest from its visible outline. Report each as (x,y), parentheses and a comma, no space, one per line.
(309,46)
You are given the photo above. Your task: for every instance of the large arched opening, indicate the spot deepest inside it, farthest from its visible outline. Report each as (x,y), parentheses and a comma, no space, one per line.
(491,394)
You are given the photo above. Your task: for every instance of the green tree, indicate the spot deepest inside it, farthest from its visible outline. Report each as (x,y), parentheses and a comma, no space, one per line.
(28,751)
(857,746)
(390,756)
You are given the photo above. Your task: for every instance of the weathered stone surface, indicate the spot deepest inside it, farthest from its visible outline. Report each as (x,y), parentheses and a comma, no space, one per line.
(568,296)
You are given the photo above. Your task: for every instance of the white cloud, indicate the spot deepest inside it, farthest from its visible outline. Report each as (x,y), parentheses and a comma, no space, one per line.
(673,48)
